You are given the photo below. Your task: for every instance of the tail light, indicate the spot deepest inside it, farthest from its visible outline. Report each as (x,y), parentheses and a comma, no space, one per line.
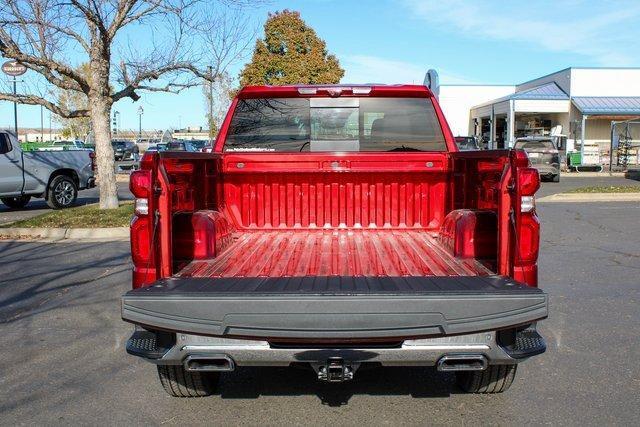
(140,186)
(529,183)
(142,207)
(92,157)
(143,225)
(528,227)
(527,203)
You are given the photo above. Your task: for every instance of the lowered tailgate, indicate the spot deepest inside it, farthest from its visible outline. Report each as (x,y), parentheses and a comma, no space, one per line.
(334,307)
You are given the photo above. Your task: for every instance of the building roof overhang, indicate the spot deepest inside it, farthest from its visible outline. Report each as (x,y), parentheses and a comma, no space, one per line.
(608,105)
(545,92)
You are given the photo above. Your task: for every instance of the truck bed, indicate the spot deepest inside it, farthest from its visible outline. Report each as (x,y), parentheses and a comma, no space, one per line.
(301,253)
(334,284)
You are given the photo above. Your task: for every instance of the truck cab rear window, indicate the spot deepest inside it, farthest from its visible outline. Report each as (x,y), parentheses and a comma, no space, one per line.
(335,124)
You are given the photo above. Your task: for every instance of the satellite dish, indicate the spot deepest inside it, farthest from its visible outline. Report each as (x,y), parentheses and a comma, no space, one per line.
(432,81)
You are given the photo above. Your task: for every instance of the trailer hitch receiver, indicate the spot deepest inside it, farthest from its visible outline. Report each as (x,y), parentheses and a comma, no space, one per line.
(335,370)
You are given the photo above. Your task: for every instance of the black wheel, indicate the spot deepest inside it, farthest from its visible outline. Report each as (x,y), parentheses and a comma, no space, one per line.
(178,382)
(62,192)
(556,178)
(16,202)
(494,379)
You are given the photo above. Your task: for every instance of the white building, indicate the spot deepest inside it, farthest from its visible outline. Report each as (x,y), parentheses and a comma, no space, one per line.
(458,100)
(580,103)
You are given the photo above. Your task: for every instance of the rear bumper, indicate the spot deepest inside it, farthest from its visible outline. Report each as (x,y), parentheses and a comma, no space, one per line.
(548,170)
(348,308)
(420,352)
(91,182)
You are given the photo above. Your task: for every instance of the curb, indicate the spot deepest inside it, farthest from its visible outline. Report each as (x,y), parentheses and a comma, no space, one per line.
(115,233)
(590,197)
(592,175)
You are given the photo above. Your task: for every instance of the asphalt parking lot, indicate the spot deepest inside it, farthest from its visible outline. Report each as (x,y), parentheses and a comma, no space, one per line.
(63,359)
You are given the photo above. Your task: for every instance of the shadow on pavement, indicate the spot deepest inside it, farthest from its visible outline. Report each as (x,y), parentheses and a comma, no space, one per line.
(26,284)
(417,382)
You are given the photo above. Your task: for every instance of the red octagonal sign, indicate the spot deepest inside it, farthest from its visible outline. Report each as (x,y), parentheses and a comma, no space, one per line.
(13,68)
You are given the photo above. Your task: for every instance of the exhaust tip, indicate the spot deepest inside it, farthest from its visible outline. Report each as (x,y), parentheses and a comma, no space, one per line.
(209,363)
(463,362)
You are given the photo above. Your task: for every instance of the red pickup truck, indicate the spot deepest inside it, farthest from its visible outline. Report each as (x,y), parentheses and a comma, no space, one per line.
(335,226)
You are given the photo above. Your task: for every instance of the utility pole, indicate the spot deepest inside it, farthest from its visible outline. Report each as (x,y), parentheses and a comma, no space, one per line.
(15,107)
(41,123)
(140,113)
(210,105)
(116,119)
(14,69)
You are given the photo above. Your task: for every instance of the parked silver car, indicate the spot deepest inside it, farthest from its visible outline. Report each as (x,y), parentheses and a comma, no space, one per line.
(543,154)
(54,175)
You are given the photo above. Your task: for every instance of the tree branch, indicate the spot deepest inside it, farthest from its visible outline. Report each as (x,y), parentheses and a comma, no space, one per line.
(10,49)
(124,7)
(90,16)
(170,87)
(137,83)
(36,100)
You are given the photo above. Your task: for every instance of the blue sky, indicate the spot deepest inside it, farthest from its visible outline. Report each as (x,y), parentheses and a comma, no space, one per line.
(396,41)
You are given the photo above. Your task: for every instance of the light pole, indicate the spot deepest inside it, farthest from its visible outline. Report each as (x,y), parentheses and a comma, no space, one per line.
(41,123)
(15,106)
(140,113)
(210,104)
(14,69)
(116,119)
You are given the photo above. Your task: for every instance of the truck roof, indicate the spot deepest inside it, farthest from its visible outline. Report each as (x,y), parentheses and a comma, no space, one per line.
(303,91)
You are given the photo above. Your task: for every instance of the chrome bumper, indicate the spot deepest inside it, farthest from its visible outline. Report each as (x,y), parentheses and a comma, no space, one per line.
(420,352)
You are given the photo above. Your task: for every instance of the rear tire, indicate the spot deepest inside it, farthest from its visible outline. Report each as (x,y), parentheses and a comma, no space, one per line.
(494,379)
(16,202)
(62,192)
(178,382)
(556,178)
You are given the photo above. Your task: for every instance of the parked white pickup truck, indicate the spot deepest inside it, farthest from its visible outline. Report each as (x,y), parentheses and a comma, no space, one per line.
(54,175)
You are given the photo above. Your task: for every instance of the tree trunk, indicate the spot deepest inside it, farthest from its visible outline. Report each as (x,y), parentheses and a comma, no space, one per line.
(100,111)
(100,107)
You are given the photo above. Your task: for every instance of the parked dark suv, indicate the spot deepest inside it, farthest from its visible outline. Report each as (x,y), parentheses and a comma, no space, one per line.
(543,155)
(124,150)
(467,143)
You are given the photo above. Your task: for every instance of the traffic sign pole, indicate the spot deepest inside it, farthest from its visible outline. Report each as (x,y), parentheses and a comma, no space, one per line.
(15,108)
(14,69)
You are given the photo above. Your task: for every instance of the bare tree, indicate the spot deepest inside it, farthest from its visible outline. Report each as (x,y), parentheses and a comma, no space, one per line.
(77,127)
(129,45)
(217,96)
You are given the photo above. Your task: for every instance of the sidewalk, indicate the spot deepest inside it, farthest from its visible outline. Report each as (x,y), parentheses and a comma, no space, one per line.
(590,197)
(591,174)
(55,234)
